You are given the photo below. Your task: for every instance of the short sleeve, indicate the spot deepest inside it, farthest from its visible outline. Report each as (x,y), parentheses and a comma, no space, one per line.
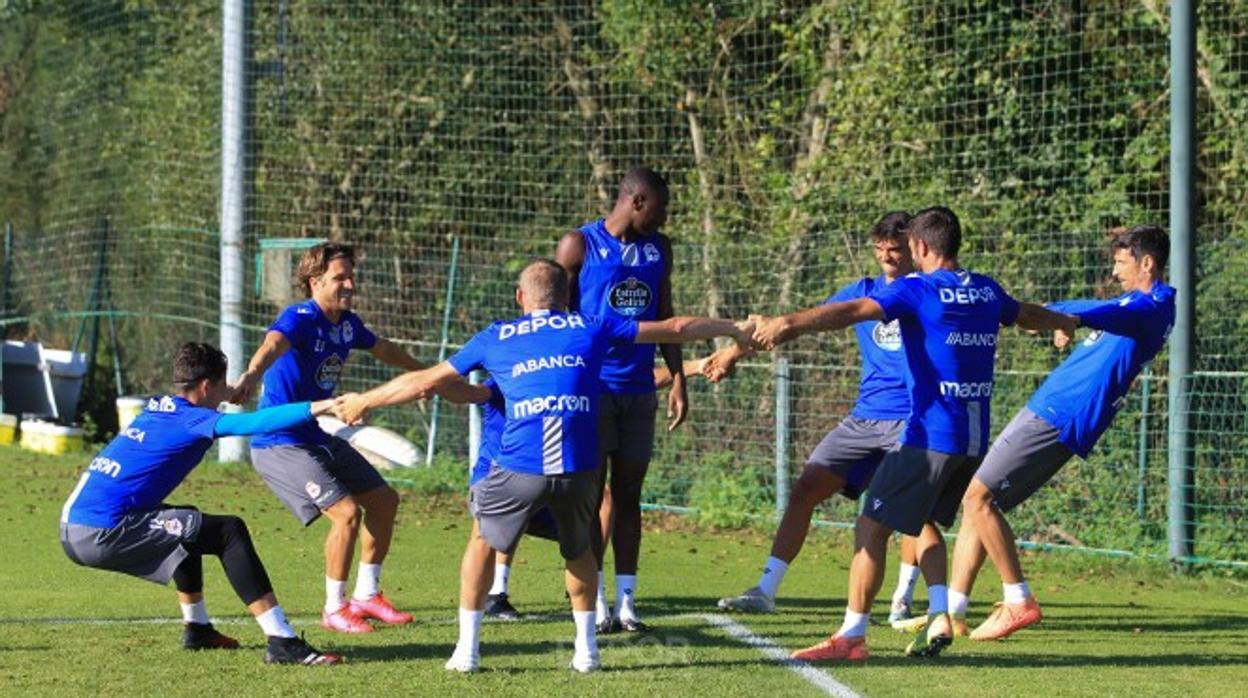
(1009,306)
(296,323)
(472,355)
(850,292)
(1129,316)
(201,422)
(902,298)
(362,337)
(617,331)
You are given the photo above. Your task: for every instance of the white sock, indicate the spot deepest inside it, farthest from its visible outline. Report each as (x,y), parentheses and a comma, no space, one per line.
(273,623)
(625,590)
(600,606)
(906,578)
(958,602)
(937,599)
(1016,593)
(469,644)
(502,574)
(334,592)
(586,644)
(855,624)
(367,581)
(773,574)
(195,612)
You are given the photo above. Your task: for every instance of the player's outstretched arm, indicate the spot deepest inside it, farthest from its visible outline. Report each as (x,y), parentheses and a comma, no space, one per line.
(720,365)
(699,367)
(1038,318)
(271,419)
(774,331)
(410,386)
(390,353)
(675,330)
(275,344)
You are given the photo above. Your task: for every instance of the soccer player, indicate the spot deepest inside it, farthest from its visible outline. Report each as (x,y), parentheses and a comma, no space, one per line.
(498,600)
(621,266)
(311,472)
(547,365)
(846,458)
(116,519)
(949,319)
(1065,417)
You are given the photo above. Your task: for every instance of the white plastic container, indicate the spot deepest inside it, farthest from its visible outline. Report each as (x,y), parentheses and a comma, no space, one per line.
(54,439)
(129,407)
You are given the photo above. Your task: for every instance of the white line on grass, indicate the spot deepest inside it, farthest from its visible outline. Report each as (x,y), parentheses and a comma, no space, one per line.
(771,650)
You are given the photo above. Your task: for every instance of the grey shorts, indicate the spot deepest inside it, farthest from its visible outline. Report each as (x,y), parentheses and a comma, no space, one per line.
(1027,454)
(309,479)
(854,449)
(913,486)
(626,426)
(504,501)
(146,544)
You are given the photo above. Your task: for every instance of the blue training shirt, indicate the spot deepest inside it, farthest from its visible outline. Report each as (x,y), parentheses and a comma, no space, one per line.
(547,364)
(309,371)
(621,280)
(949,322)
(145,462)
(1082,395)
(493,419)
(882,390)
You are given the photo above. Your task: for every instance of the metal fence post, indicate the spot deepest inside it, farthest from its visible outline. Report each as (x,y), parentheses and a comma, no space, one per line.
(1141,495)
(782,435)
(474,425)
(1182,272)
(235,108)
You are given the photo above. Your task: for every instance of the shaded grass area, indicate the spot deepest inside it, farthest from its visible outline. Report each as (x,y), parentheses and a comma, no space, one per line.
(1112,627)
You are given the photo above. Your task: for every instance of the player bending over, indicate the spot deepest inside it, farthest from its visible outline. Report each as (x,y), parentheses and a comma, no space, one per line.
(1065,417)
(546,363)
(949,318)
(116,517)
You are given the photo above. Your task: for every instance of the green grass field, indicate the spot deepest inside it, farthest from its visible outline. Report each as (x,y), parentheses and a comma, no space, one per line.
(1112,627)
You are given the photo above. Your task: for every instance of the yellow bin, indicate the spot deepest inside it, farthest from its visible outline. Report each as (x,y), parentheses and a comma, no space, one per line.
(8,429)
(129,407)
(54,439)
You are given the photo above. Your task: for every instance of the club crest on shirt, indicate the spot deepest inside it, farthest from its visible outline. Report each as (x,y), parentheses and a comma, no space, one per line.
(651,252)
(347,333)
(328,372)
(887,335)
(1093,338)
(630,297)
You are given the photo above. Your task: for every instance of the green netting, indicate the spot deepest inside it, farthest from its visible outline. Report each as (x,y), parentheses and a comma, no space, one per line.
(785,128)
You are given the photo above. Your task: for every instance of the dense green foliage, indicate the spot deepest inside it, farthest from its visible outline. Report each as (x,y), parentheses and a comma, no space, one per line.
(785,127)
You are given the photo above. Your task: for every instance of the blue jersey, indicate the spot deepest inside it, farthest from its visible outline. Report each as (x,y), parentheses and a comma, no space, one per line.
(882,391)
(546,364)
(621,280)
(1082,395)
(143,464)
(310,369)
(949,322)
(493,419)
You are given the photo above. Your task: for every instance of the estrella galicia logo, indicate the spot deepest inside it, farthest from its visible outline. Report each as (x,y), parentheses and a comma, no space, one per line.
(630,297)
(887,335)
(328,372)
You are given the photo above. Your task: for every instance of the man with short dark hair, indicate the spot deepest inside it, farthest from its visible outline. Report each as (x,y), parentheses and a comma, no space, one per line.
(621,266)
(116,518)
(546,364)
(949,319)
(1065,417)
(311,472)
(848,455)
